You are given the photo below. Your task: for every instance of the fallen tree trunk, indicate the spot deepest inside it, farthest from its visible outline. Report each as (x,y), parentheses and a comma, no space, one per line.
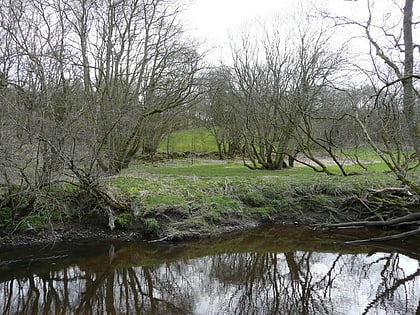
(396,191)
(388,203)
(386,238)
(405,219)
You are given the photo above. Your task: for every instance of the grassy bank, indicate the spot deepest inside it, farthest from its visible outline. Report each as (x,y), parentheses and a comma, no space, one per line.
(182,199)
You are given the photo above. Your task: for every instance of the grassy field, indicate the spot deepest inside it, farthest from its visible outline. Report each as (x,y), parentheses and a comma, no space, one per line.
(184,198)
(194,140)
(201,140)
(206,168)
(193,196)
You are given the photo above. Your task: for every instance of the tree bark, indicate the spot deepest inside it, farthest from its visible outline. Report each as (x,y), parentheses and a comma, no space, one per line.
(409,99)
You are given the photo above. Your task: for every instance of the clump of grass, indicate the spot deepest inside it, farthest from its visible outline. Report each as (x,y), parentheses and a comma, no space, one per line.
(158,200)
(286,203)
(221,202)
(152,225)
(213,216)
(254,199)
(321,199)
(263,213)
(124,219)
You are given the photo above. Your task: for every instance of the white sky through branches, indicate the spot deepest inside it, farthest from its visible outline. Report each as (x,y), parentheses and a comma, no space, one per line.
(211,21)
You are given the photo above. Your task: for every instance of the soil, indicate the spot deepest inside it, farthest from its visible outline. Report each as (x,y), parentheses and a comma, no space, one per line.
(63,234)
(172,228)
(184,230)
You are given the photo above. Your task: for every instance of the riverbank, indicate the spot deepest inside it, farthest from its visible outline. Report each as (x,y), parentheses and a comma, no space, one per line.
(184,201)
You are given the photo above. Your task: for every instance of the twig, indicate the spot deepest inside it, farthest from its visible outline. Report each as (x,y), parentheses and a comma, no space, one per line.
(168,237)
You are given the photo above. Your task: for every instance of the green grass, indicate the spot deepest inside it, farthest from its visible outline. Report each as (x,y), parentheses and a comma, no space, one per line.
(198,140)
(364,153)
(194,195)
(228,169)
(215,187)
(154,201)
(201,140)
(152,225)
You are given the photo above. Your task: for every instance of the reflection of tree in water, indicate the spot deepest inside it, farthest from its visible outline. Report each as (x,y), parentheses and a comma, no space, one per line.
(43,294)
(294,283)
(393,277)
(136,290)
(239,283)
(269,283)
(113,290)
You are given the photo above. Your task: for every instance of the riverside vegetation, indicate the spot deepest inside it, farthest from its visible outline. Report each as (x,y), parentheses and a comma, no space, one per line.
(192,197)
(91,93)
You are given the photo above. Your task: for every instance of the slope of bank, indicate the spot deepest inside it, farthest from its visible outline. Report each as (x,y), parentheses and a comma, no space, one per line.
(194,201)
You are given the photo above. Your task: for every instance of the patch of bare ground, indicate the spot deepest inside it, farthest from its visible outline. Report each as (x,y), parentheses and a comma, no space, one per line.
(328,161)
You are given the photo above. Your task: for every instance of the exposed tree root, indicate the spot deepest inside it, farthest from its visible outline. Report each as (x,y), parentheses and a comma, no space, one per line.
(396,191)
(394,222)
(386,206)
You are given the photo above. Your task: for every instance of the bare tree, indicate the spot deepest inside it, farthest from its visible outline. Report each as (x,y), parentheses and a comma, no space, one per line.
(219,110)
(136,62)
(392,78)
(79,78)
(277,81)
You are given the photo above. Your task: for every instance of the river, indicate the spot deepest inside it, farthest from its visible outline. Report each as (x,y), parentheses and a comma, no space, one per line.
(269,270)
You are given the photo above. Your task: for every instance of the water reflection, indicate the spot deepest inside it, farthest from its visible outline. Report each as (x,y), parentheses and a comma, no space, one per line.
(237,277)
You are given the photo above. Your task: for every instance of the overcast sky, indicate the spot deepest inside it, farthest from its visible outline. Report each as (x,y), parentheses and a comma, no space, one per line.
(211,21)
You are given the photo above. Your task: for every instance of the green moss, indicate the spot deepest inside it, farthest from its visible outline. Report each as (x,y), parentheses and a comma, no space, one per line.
(152,225)
(124,219)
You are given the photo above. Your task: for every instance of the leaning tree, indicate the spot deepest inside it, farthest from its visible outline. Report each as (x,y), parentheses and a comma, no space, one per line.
(391,74)
(392,123)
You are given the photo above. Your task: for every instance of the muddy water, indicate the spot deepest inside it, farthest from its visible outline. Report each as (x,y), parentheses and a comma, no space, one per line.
(273,270)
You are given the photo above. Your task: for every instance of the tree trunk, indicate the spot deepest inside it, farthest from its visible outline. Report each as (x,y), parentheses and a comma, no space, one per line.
(409,99)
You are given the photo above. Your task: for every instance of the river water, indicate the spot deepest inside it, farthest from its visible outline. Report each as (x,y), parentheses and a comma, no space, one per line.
(270,270)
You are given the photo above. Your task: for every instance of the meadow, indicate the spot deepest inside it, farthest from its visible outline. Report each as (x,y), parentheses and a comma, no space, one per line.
(192,197)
